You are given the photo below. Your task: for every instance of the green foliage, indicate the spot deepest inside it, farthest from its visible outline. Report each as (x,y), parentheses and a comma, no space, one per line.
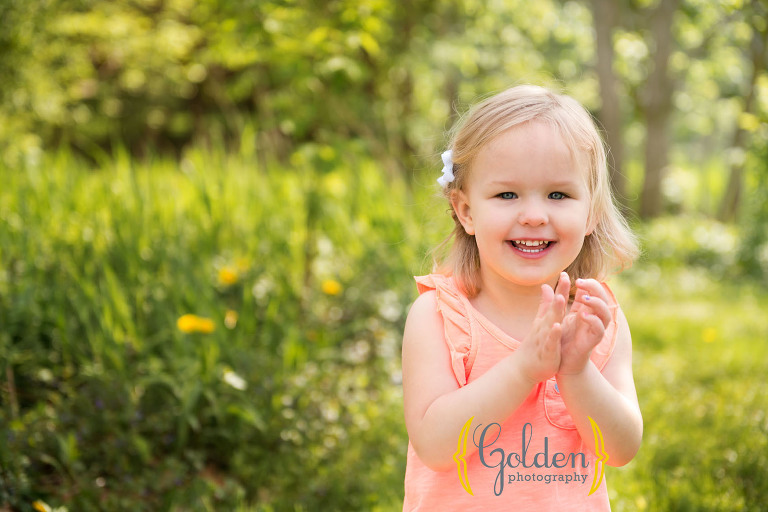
(158,73)
(151,74)
(157,76)
(292,400)
(694,242)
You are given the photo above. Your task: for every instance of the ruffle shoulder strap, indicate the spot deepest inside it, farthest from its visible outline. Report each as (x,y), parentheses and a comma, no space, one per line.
(452,305)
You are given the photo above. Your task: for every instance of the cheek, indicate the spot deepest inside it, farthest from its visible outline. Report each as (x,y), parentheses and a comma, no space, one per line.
(583,216)
(578,225)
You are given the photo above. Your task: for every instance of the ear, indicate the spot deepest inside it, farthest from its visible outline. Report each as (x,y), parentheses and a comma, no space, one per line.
(460,203)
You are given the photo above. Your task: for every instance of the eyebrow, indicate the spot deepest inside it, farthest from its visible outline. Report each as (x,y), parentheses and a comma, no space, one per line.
(513,184)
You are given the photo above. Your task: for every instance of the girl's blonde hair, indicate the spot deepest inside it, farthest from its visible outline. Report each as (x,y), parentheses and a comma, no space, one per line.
(611,245)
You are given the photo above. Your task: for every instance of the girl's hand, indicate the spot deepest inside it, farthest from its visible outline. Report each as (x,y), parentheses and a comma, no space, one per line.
(540,351)
(583,326)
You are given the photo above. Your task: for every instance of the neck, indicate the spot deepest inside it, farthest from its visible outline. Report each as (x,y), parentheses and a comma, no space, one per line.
(509,298)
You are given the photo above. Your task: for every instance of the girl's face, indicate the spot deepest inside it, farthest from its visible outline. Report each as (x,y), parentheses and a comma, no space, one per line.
(527,204)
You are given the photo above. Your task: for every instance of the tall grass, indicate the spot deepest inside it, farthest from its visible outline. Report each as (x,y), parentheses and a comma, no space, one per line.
(294,396)
(282,392)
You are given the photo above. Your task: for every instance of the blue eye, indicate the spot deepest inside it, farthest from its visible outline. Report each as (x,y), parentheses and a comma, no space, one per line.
(507,195)
(557,195)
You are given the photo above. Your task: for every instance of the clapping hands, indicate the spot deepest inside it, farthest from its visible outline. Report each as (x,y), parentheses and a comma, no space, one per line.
(561,341)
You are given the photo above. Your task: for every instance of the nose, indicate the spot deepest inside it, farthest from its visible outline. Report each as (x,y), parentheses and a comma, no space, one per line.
(533,213)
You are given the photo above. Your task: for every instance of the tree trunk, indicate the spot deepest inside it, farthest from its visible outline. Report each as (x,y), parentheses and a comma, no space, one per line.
(657,107)
(729,207)
(605,14)
(656,160)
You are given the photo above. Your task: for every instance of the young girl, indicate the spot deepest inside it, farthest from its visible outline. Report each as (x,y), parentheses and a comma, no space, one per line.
(517,361)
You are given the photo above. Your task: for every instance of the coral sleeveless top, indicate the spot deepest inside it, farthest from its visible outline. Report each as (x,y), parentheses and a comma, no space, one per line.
(547,465)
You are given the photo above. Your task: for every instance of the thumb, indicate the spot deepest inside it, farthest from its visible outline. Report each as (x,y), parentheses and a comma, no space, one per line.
(547,295)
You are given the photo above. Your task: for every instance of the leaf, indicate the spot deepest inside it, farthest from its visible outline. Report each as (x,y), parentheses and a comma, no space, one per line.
(249,415)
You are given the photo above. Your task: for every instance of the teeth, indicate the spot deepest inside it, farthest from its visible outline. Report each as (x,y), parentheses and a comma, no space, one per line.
(531,243)
(535,245)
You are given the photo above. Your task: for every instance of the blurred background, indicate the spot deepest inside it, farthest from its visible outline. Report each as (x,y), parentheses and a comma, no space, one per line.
(210,213)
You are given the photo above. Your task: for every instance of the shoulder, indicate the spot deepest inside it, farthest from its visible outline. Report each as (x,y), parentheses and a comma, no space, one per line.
(425,337)
(439,306)
(423,317)
(424,303)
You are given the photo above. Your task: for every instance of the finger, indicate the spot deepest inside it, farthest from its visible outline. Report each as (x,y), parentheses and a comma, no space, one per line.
(543,321)
(580,293)
(596,306)
(558,308)
(563,286)
(592,287)
(554,312)
(544,325)
(547,294)
(591,328)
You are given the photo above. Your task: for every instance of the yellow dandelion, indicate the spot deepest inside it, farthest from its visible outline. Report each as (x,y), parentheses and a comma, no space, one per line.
(205,325)
(228,276)
(331,287)
(709,335)
(187,323)
(230,319)
(41,506)
(193,323)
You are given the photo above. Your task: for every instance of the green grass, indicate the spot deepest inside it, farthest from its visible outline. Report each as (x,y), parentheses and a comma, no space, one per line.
(107,405)
(700,360)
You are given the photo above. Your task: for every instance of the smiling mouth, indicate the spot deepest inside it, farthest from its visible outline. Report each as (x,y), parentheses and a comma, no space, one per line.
(530,246)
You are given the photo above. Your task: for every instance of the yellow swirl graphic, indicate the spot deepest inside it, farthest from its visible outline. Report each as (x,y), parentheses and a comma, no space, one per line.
(602,457)
(461,452)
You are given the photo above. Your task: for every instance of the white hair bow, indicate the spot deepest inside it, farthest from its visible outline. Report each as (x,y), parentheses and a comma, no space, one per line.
(447,176)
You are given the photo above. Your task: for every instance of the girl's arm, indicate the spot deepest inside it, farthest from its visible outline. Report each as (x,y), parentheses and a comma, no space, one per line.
(609,398)
(436,408)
